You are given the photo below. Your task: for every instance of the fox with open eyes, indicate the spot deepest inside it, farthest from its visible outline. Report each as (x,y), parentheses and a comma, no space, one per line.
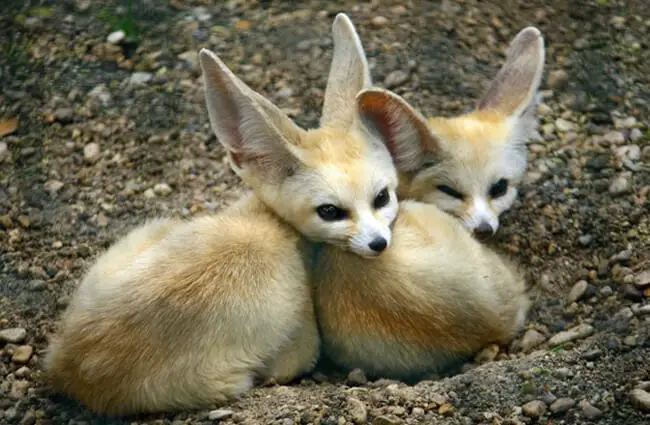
(185,314)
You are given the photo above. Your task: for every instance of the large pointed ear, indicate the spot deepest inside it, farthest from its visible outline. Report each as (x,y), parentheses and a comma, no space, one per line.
(403,130)
(513,92)
(349,74)
(255,132)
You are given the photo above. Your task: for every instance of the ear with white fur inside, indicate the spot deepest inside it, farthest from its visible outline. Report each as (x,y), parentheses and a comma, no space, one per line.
(401,128)
(254,131)
(513,91)
(348,75)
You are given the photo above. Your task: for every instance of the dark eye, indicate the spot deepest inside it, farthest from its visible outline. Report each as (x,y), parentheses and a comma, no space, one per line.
(329,212)
(382,199)
(499,188)
(451,192)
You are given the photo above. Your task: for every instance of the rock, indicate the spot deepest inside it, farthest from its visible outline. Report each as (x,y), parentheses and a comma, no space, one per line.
(628,122)
(24,221)
(191,57)
(140,78)
(592,354)
(379,21)
(598,162)
(645,309)
(621,256)
(29,418)
(116,37)
(577,291)
(386,420)
(162,189)
(22,354)
(590,412)
(630,340)
(356,377)
(585,240)
(91,152)
(642,279)
(579,332)
(544,110)
(531,339)
(13,335)
(635,134)
(284,93)
(4,151)
(631,152)
(357,410)
(562,405)
(557,79)
(395,79)
(620,185)
(149,194)
(564,125)
(52,186)
(487,354)
(534,409)
(614,137)
(216,415)
(418,412)
(640,399)
(18,389)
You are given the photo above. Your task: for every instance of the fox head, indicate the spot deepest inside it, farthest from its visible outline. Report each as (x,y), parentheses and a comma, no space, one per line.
(471,165)
(336,184)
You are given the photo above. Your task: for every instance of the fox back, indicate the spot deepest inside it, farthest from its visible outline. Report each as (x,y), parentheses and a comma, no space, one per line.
(432,300)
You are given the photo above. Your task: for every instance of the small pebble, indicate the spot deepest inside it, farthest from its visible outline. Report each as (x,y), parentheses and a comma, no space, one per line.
(162,189)
(357,410)
(579,332)
(116,37)
(356,377)
(386,420)
(562,405)
(614,137)
(13,335)
(592,354)
(590,411)
(620,185)
(642,279)
(557,79)
(379,21)
(531,339)
(22,354)
(640,399)
(140,78)
(4,151)
(577,291)
(219,414)
(635,134)
(395,79)
(91,152)
(534,409)
(564,125)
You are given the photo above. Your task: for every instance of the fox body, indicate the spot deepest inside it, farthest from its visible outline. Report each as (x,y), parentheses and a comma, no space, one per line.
(471,165)
(186,314)
(180,315)
(434,298)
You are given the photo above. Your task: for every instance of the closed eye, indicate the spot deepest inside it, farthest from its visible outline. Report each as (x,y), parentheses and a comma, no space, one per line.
(499,188)
(451,192)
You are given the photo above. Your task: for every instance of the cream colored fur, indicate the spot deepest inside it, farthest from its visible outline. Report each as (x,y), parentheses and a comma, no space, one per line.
(472,154)
(181,315)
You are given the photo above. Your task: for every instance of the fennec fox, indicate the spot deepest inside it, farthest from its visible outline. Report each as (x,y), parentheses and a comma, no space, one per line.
(471,165)
(180,315)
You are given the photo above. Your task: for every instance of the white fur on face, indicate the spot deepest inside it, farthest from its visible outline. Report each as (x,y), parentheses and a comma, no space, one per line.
(298,198)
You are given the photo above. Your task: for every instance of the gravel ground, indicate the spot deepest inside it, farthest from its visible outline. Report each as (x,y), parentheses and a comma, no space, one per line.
(108,135)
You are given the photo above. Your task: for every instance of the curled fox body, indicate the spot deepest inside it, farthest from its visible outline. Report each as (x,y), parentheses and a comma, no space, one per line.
(180,315)
(471,165)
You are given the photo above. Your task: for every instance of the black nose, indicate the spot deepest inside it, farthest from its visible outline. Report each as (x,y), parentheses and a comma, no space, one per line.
(378,244)
(484,230)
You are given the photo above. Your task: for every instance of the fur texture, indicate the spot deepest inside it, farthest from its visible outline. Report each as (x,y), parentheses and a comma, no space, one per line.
(434,298)
(471,165)
(181,315)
